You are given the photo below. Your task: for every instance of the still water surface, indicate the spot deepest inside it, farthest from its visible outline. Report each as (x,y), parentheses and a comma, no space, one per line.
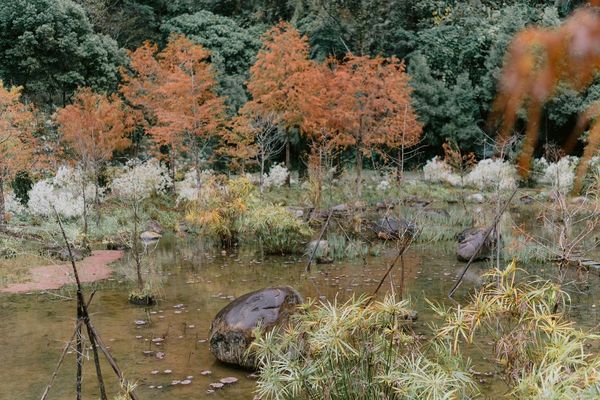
(34,328)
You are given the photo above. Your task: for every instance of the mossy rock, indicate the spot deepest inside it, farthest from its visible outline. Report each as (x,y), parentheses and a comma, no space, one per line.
(232,330)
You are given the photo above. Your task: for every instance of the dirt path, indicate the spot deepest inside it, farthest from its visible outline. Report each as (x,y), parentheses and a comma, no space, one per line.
(91,269)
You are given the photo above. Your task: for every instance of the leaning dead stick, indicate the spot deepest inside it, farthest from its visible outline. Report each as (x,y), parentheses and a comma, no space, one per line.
(82,314)
(310,259)
(405,246)
(488,231)
(64,353)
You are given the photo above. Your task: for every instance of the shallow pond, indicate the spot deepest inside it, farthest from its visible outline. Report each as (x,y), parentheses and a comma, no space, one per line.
(34,327)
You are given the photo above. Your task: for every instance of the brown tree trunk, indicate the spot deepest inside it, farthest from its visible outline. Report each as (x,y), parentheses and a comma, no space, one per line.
(288,161)
(2,205)
(358,172)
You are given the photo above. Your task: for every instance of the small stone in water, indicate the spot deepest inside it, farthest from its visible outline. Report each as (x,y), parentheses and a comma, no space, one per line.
(209,391)
(159,387)
(216,385)
(229,380)
(177,311)
(140,322)
(207,372)
(175,382)
(154,372)
(157,340)
(160,355)
(167,371)
(138,336)
(189,377)
(201,340)
(191,326)
(151,386)
(185,382)
(148,352)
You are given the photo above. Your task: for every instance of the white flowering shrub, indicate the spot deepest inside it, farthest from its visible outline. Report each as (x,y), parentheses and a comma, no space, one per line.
(437,170)
(277,176)
(187,189)
(141,180)
(65,192)
(12,205)
(384,185)
(560,175)
(492,174)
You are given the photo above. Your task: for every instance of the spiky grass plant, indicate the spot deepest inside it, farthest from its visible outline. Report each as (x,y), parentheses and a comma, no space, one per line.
(354,350)
(340,247)
(541,352)
(278,230)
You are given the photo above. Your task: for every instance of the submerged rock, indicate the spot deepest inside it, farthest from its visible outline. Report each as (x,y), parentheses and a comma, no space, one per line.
(390,228)
(231,332)
(469,240)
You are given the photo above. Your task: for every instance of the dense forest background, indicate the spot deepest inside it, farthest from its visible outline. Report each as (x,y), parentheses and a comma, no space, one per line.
(453,49)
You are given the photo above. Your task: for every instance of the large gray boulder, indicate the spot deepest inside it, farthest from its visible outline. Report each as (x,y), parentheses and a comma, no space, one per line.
(231,332)
(468,242)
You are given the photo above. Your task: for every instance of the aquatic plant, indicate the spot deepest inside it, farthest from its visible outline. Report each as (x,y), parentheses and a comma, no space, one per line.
(540,351)
(277,229)
(355,350)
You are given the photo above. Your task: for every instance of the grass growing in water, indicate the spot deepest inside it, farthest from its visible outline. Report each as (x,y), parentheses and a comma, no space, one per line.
(355,351)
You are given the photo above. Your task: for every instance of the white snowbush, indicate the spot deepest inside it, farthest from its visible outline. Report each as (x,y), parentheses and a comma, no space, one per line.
(438,171)
(560,175)
(384,185)
(64,192)
(187,189)
(141,180)
(277,176)
(12,205)
(492,174)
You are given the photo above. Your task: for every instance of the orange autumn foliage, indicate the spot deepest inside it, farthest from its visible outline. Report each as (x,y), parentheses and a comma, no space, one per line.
(17,124)
(537,61)
(17,143)
(361,103)
(176,88)
(94,126)
(273,82)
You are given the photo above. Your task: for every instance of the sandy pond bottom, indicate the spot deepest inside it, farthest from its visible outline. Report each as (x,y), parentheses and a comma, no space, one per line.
(33,328)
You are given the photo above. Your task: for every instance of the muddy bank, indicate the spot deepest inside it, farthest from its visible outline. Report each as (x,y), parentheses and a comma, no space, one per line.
(45,277)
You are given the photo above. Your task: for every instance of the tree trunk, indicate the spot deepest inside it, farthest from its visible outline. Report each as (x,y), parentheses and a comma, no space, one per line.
(358,172)
(400,169)
(262,171)
(134,248)
(85,203)
(2,205)
(97,195)
(288,162)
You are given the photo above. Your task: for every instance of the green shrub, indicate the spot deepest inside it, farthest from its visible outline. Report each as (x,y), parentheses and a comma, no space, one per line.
(278,230)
